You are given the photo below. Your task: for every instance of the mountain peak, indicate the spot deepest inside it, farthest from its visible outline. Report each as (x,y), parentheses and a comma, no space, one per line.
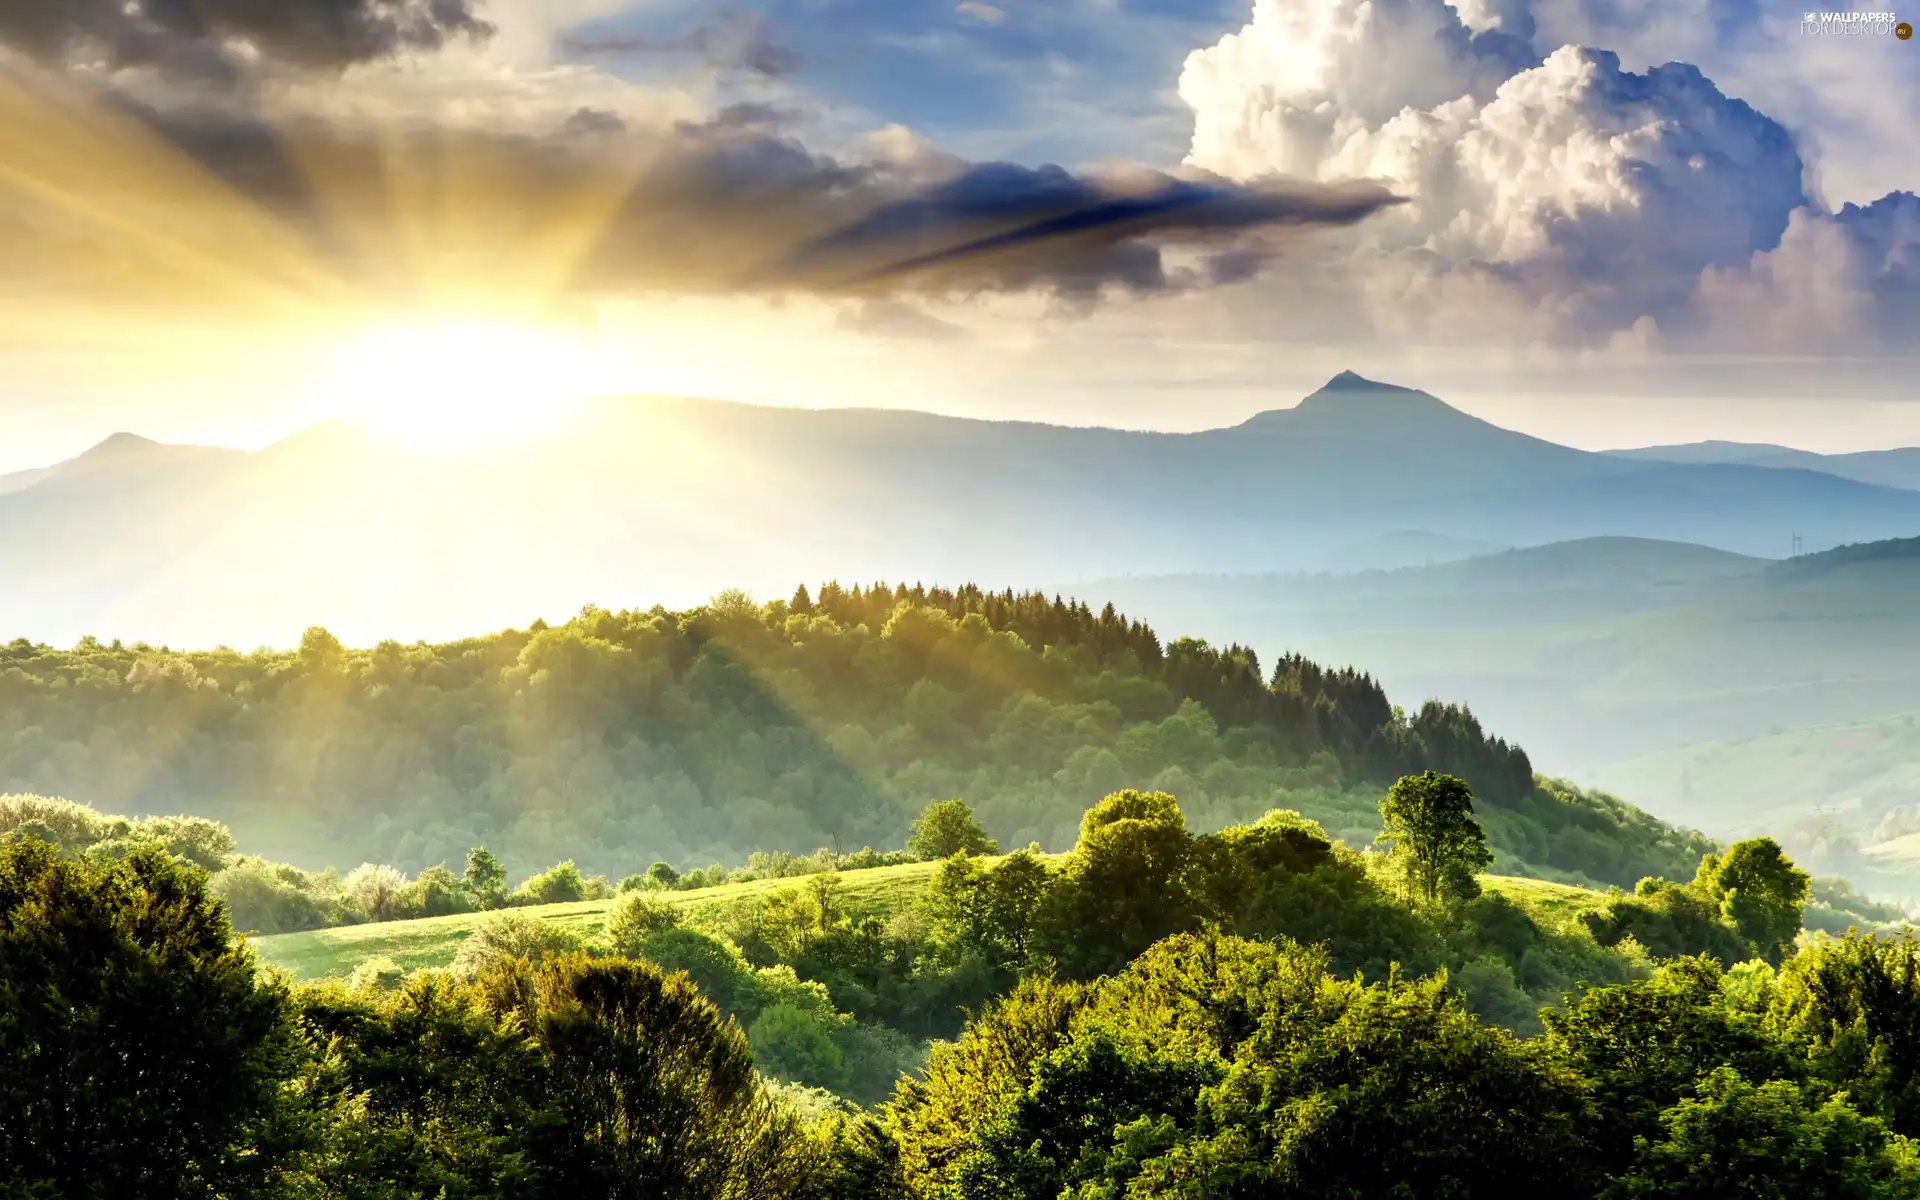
(117,444)
(1350,397)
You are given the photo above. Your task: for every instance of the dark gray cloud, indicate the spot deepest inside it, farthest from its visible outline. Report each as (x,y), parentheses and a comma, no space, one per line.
(1000,225)
(305,33)
(732,42)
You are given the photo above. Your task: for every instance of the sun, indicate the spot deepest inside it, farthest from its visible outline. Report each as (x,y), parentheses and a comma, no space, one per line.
(456,383)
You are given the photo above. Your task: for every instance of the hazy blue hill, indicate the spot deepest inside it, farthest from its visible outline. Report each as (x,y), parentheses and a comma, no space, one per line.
(1899,468)
(1857,771)
(1603,651)
(1898,552)
(1405,548)
(1707,452)
(1584,580)
(673,499)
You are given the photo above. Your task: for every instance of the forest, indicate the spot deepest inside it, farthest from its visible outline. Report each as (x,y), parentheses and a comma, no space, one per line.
(1255,1011)
(695,738)
(1138,922)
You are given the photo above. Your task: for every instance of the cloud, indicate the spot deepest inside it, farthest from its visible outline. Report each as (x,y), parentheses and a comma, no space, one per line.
(732,42)
(998,225)
(986,14)
(1561,200)
(601,202)
(305,33)
(1846,282)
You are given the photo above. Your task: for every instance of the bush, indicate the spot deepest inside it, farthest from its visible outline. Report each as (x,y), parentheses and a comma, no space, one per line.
(378,974)
(662,875)
(558,884)
(507,936)
(73,826)
(261,898)
(206,844)
(792,1043)
(375,890)
(715,966)
(437,892)
(636,917)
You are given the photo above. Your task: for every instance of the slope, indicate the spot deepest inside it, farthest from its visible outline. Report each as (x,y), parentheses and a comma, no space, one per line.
(1603,652)
(882,892)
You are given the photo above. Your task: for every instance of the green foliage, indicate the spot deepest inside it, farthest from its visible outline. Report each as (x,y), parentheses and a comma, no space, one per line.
(138,1053)
(269,898)
(700,736)
(792,1043)
(662,874)
(1744,903)
(557,884)
(1851,1006)
(1427,820)
(1643,1046)
(577,1077)
(1160,1014)
(485,879)
(509,937)
(635,917)
(1734,1139)
(1129,882)
(1760,893)
(947,828)
(1215,1066)
(376,891)
(1668,920)
(378,974)
(435,892)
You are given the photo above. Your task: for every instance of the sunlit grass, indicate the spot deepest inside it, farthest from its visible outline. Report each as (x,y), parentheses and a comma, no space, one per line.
(877,891)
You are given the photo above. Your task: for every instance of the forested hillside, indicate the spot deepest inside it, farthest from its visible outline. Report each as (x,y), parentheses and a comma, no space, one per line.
(1259,1011)
(620,738)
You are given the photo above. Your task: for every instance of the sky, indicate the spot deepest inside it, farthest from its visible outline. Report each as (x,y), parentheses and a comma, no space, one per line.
(1607,222)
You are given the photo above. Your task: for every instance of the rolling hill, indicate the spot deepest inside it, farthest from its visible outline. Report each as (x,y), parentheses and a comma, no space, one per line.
(1619,662)
(666,500)
(1899,468)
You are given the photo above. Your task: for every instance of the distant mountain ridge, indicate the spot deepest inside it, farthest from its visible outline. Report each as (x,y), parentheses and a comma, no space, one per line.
(1899,468)
(666,500)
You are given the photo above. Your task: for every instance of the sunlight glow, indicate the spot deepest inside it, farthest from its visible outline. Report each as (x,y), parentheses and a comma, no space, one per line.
(457,383)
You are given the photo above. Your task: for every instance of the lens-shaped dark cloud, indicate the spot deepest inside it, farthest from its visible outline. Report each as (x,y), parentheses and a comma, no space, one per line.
(1002,219)
(305,33)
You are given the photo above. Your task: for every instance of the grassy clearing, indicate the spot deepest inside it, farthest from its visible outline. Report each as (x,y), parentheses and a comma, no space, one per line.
(1553,906)
(433,941)
(878,891)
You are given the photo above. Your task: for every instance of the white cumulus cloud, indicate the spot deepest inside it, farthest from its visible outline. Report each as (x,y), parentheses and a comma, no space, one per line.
(1561,199)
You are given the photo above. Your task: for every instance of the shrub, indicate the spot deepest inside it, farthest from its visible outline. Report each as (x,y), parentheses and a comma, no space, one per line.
(636,917)
(378,974)
(504,937)
(260,898)
(376,890)
(558,884)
